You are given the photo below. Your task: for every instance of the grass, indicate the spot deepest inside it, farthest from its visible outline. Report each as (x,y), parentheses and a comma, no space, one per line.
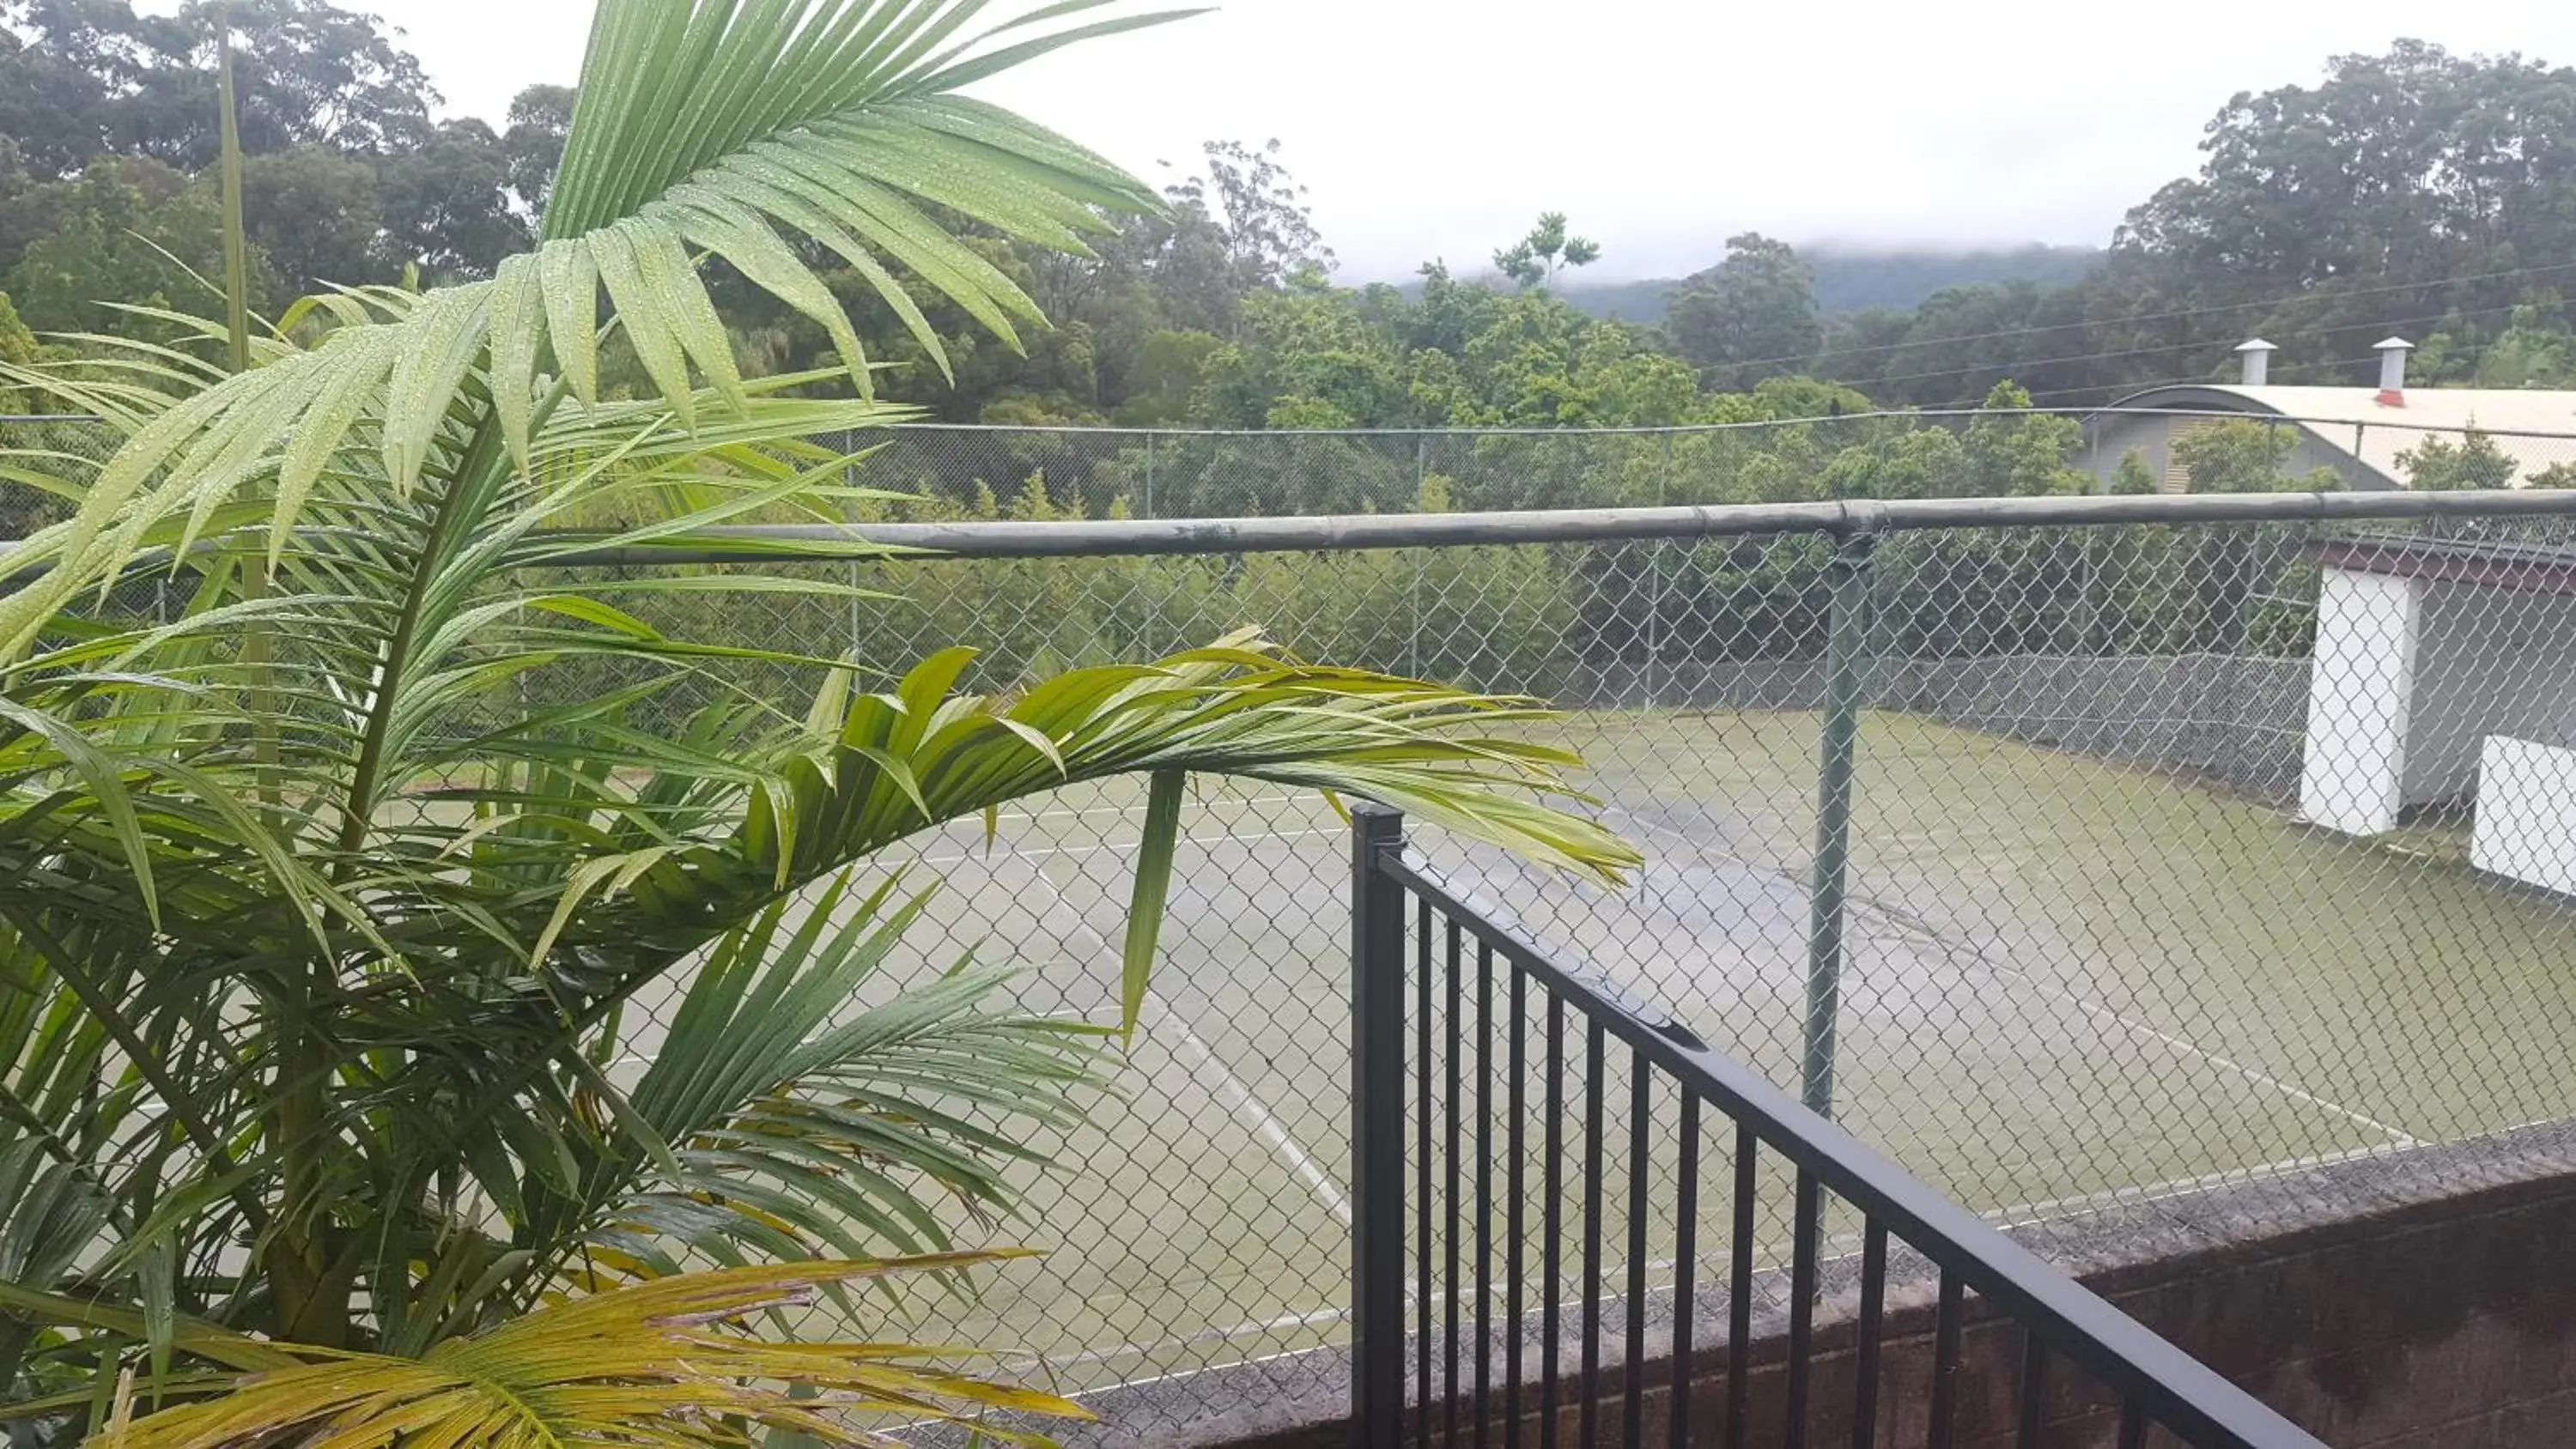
(2066,978)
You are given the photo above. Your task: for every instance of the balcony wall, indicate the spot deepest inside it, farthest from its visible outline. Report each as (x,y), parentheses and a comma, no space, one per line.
(2419,1300)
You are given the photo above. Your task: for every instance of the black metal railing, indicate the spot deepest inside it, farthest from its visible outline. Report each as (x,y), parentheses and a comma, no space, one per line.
(1449,1226)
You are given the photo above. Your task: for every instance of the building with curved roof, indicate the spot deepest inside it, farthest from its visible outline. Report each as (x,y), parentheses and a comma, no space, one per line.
(2362,434)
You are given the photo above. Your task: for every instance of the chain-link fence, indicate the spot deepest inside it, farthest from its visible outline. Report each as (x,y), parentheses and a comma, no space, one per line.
(2172,852)
(2093,946)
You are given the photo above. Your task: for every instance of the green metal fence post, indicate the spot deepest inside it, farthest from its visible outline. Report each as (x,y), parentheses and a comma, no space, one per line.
(1413,595)
(1846,645)
(1655,578)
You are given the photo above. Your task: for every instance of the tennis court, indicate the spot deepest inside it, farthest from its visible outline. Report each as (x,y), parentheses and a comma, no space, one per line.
(2066,979)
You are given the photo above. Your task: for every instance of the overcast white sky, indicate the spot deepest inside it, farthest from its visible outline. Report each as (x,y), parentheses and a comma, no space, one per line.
(1438,127)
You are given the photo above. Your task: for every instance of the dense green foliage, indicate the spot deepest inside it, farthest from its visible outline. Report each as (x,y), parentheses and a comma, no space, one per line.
(2414,191)
(107,126)
(379,1065)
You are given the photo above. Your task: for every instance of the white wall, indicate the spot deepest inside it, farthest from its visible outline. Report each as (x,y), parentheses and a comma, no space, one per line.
(2361,684)
(2527,813)
(2489,662)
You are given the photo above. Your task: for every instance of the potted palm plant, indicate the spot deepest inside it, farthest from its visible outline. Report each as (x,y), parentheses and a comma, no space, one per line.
(308,991)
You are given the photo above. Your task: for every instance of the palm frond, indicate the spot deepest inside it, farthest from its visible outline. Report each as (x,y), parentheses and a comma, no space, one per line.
(704,128)
(774,1112)
(658,1363)
(319,949)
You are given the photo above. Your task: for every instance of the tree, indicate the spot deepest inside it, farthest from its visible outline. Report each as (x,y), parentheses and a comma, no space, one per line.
(2409,191)
(89,78)
(318,217)
(70,75)
(321,950)
(540,118)
(2437,465)
(126,231)
(2015,453)
(447,205)
(2396,165)
(2243,455)
(1751,316)
(307,73)
(1242,229)
(1536,259)
(17,348)
(1268,232)
(2133,478)
(1164,377)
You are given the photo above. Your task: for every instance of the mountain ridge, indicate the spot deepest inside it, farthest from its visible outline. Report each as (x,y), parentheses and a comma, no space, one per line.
(1858,279)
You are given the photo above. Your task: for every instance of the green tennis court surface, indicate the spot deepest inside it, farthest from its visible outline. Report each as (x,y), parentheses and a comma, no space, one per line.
(2066,979)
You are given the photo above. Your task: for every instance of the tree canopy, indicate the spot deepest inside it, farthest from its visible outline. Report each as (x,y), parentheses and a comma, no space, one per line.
(2414,191)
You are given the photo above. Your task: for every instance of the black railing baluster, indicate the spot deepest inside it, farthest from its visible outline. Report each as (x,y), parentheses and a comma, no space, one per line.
(2153,1382)
(1449,1177)
(1594,1037)
(1873,1303)
(1484,1187)
(1633,1379)
(2034,1388)
(1802,1308)
(1551,1271)
(1685,1267)
(1377,1133)
(1739,1289)
(1515,1217)
(1422,1180)
(1423,1177)
(1945,1361)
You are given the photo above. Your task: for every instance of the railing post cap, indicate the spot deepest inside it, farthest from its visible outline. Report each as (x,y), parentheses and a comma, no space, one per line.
(1377,821)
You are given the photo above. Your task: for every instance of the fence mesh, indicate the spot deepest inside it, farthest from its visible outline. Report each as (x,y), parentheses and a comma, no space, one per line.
(2093,953)
(2179,854)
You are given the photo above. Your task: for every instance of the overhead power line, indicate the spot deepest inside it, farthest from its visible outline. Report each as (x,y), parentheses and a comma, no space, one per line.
(2182,381)
(2009,369)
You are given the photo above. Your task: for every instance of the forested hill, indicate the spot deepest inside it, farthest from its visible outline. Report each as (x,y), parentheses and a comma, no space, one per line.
(2427,193)
(1858,279)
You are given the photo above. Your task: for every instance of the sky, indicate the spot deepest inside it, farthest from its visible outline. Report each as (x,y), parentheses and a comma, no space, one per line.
(1439,128)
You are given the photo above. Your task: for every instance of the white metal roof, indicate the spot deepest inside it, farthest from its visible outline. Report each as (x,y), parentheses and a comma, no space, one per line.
(2344,417)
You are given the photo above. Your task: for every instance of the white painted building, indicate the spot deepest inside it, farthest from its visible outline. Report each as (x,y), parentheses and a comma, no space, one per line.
(2445,675)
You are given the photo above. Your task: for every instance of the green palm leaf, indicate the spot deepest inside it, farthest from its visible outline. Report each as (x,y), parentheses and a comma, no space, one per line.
(319,953)
(704,128)
(659,1363)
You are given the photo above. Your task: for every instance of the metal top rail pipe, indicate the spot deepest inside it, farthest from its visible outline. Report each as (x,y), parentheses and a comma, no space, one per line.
(1684,429)
(760,543)
(2182,1394)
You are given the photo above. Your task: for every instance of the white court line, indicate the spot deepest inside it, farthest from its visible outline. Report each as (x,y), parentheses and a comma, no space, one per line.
(1189,1340)
(1251,1108)
(2092,1008)
(1248,1106)
(2022,1215)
